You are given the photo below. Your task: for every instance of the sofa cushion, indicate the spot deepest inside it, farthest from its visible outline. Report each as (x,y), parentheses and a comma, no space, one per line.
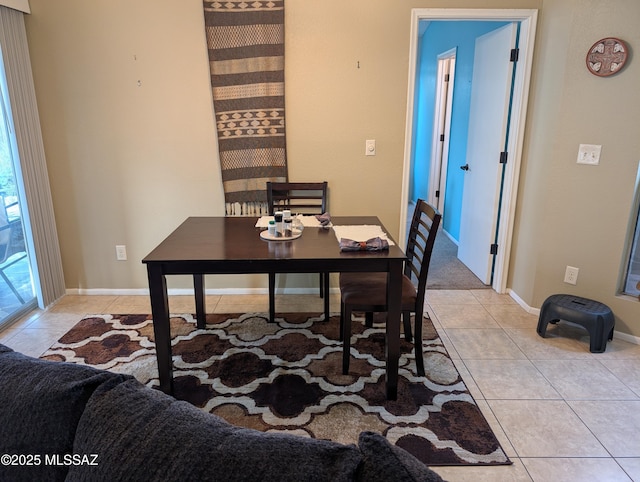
(384,461)
(40,405)
(142,434)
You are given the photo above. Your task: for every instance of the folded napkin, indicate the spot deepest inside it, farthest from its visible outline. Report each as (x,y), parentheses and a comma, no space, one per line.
(324,218)
(360,232)
(373,244)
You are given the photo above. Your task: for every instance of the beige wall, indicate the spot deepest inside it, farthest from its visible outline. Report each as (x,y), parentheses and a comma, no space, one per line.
(124,97)
(128,163)
(571,214)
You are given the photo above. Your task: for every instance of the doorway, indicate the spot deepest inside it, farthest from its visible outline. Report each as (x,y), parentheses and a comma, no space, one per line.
(445,81)
(503,219)
(17,294)
(489,111)
(27,202)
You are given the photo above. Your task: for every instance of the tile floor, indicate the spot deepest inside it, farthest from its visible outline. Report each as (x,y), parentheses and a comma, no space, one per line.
(560,412)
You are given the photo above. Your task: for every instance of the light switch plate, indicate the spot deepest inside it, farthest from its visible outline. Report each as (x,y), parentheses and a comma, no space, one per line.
(370,147)
(589,154)
(121,252)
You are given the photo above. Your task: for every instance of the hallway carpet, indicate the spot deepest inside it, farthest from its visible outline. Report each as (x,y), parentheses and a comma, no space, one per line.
(446,271)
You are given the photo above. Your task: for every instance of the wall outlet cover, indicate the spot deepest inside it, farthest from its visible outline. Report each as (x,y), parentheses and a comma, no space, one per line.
(589,154)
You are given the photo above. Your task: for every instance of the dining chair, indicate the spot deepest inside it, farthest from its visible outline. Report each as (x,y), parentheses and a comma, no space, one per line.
(367,292)
(299,198)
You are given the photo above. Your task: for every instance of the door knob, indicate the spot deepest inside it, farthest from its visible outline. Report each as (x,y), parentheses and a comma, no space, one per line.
(465,167)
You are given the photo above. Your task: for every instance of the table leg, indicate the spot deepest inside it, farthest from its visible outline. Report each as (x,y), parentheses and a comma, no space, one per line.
(198,288)
(394,305)
(161,327)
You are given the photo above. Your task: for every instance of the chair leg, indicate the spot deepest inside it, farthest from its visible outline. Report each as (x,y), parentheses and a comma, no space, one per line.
(417,342)
(406,319)
(341,320)
(325,279)
(198,288)
(346,340)
(368,319)
(272,297)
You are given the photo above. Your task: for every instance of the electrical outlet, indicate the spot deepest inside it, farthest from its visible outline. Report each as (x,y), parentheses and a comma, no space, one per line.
(121,252)
(571,275)
(589,154)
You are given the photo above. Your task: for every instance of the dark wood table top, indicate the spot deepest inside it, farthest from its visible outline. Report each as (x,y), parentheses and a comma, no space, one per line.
(233,244)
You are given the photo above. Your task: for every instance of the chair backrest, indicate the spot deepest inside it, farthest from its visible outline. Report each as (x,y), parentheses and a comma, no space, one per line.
(298,197)
(422,236)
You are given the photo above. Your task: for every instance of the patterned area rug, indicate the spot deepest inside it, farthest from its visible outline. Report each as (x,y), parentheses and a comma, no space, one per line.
(287,376)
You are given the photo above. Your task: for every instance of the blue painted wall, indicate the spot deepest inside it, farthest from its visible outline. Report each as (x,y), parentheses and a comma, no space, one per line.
(439,37)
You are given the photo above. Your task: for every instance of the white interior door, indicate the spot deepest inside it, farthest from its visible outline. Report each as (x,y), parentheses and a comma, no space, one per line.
(488,117)
(441,129)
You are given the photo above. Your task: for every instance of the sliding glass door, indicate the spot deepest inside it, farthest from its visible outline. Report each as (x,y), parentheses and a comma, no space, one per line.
(16,281)
(30,262)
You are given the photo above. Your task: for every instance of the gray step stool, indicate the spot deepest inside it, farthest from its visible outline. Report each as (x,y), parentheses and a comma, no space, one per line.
(596,317)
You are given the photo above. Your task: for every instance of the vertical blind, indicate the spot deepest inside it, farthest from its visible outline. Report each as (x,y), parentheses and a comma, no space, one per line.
(44,248)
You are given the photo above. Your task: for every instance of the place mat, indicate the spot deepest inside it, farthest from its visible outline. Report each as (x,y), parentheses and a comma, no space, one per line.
(361,232)
(307,221)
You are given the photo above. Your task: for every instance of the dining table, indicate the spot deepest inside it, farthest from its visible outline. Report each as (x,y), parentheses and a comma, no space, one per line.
(232,245)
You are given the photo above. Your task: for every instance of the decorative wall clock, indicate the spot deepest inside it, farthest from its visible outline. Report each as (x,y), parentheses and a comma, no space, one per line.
(607,56)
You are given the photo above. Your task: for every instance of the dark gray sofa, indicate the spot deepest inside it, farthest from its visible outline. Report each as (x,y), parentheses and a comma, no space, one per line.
(61,421)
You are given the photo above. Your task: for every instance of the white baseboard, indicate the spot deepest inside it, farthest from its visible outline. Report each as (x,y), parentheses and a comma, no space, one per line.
(446,233)
(109,292)
(189,291)
(520,301)
(626,337)
(536,311)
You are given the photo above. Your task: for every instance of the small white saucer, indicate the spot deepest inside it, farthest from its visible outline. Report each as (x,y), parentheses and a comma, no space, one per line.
(270,237)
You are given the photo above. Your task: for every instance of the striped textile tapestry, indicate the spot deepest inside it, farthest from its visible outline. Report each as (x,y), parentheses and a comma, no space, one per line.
(246,58)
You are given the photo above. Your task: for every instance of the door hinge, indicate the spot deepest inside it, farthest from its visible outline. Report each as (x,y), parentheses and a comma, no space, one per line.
(514,55)
(446,77)
(503,157)
(441,137)
(437,194)
(493,249)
